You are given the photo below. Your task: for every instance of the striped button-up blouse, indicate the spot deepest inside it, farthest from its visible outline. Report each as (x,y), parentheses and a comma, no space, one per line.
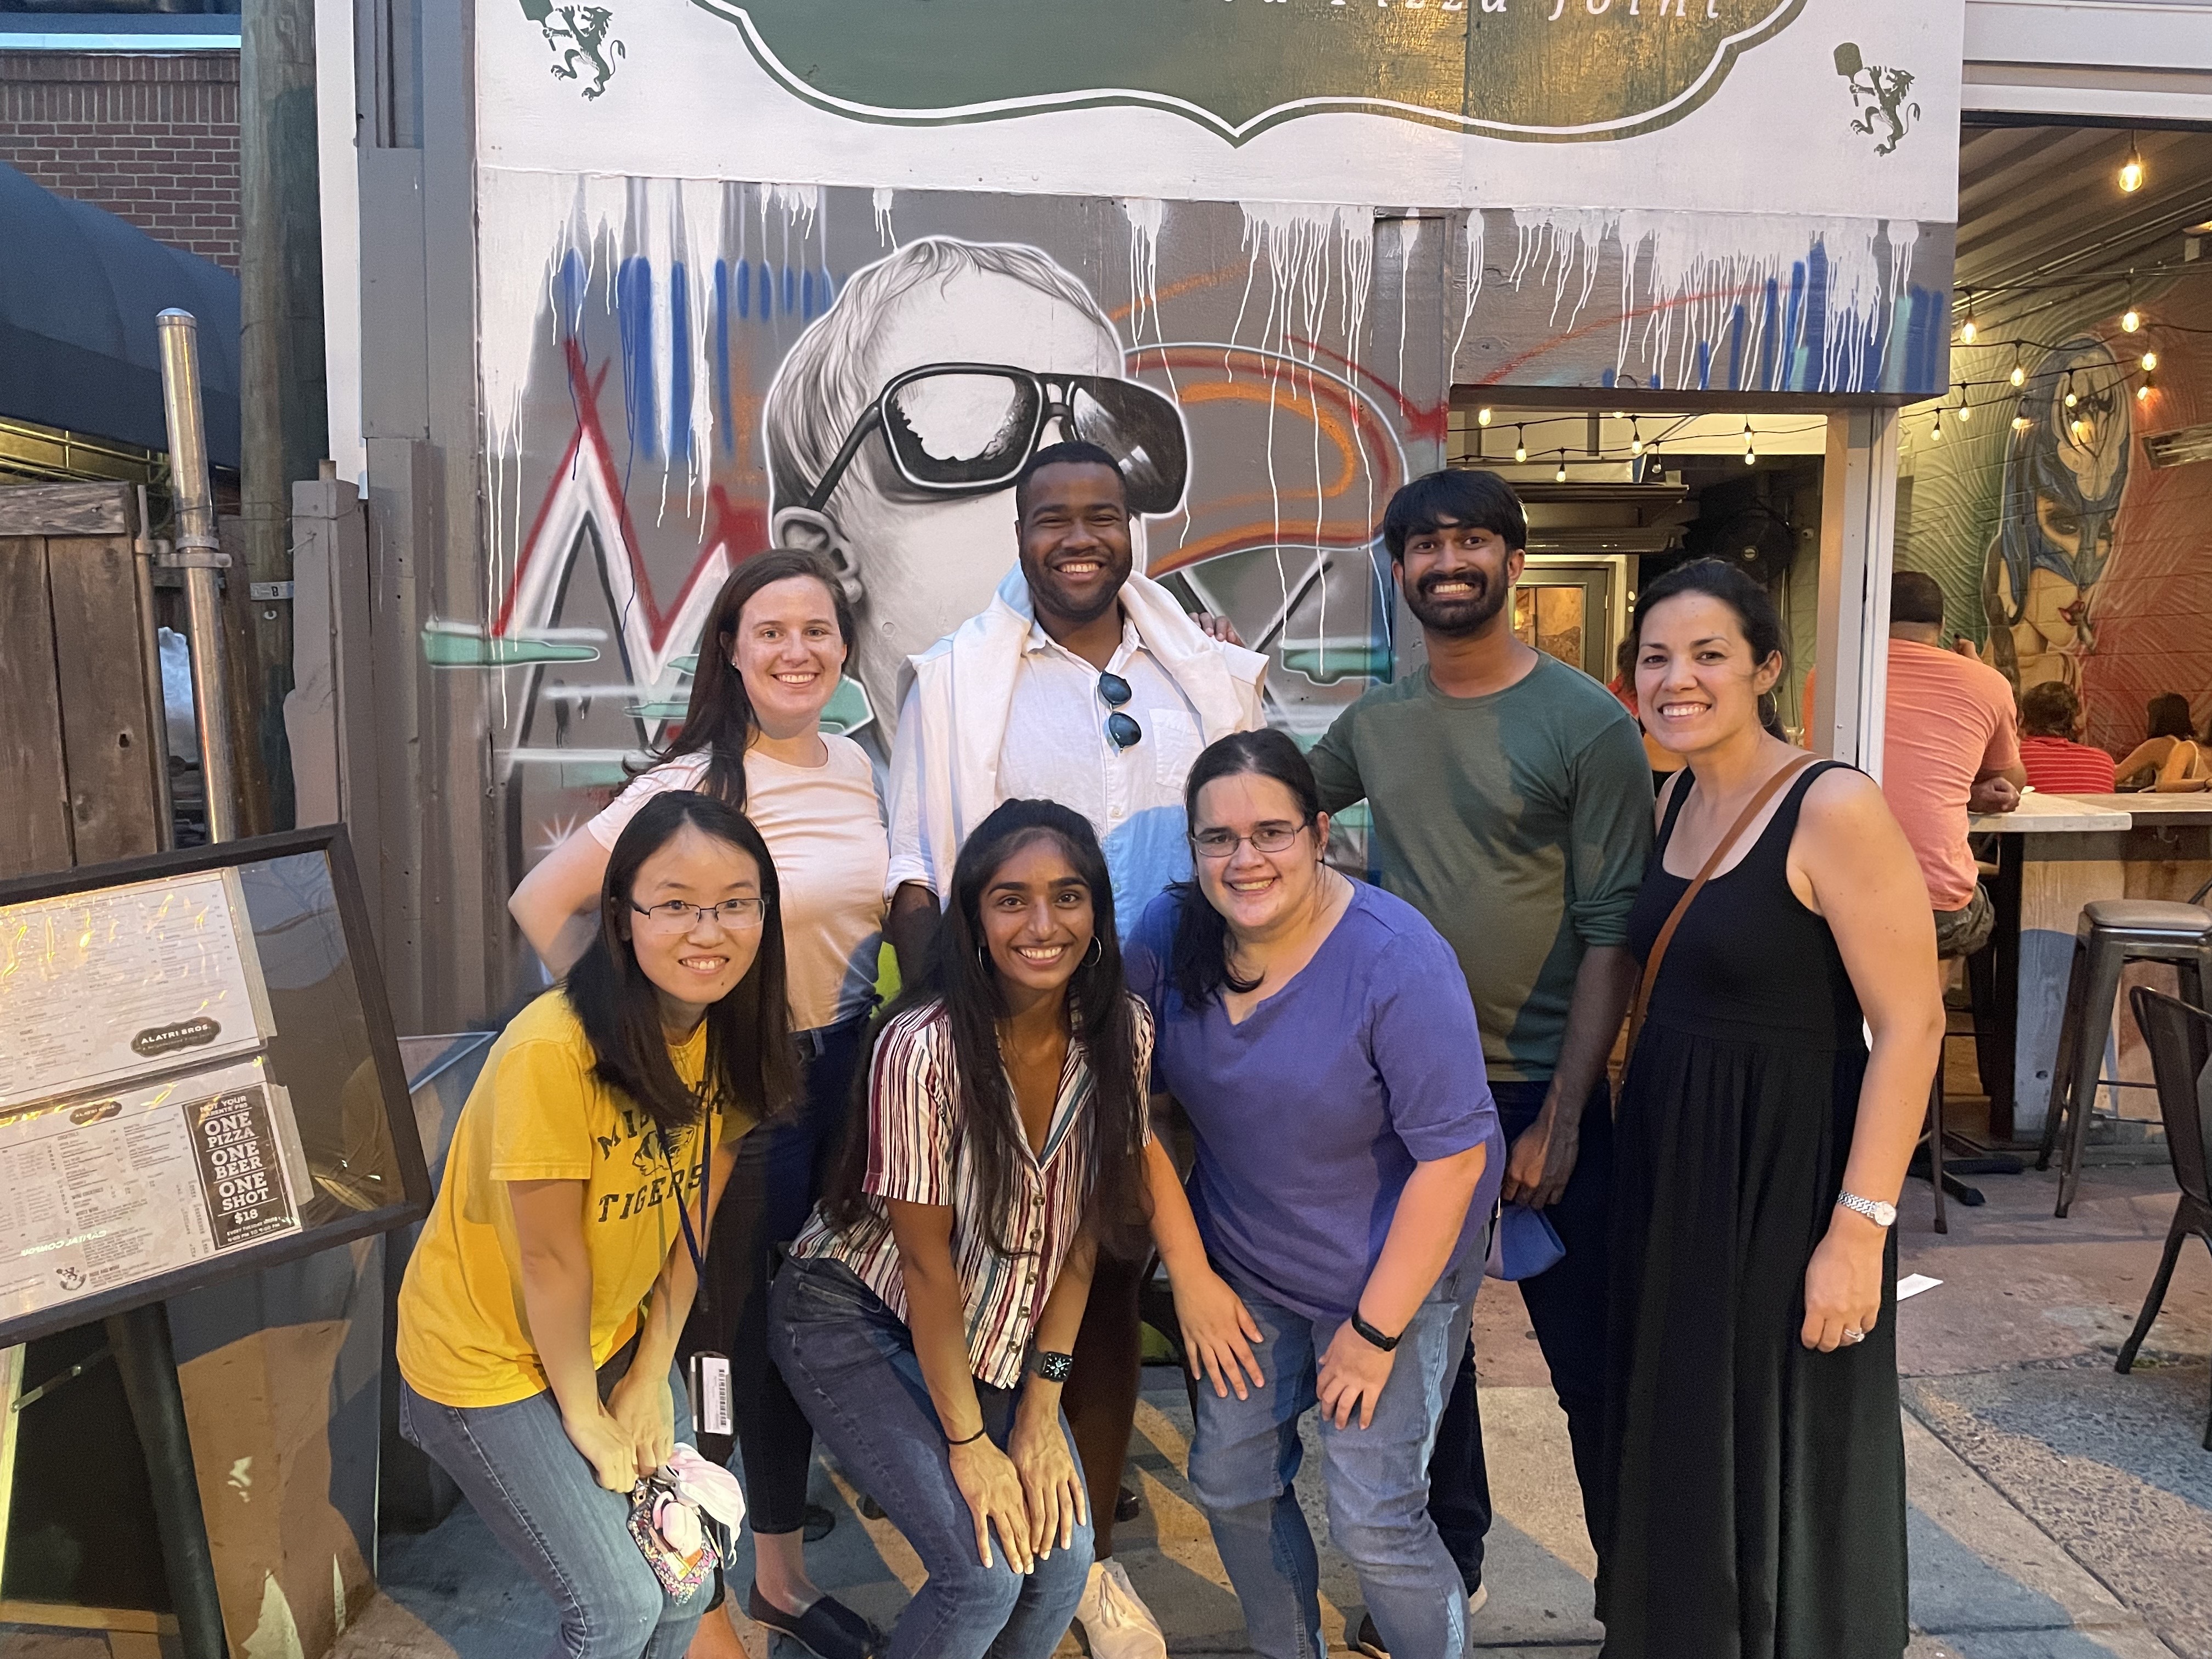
(916,1154)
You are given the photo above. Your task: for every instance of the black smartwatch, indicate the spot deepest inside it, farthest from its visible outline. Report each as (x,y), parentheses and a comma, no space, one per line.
(1370,1333)
(1052,1367)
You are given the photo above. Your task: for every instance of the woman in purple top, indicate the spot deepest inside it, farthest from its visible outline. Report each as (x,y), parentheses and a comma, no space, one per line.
(1318,1035)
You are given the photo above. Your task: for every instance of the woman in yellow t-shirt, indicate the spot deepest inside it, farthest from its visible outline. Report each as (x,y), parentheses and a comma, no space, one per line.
(540,1316)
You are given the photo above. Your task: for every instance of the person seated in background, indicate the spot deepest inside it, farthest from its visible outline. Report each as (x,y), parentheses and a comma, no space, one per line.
(2057,762)
(1950,750)
(2169,761)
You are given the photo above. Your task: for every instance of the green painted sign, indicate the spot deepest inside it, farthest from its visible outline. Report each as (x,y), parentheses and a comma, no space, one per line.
(1531,69)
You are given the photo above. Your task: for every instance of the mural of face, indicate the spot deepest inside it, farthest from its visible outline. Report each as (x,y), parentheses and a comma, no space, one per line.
(2064,476)
(922,563)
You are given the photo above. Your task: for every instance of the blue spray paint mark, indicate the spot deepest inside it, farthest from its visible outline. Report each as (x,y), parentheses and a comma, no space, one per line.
(722,356)
(745,288)
(679,377)
(1816,317)
(1704,365)
(1770,338)
(1605,379)
(806,294)
(766,293)
(1736,325)
(634,316)
(790,290)
(1792,315)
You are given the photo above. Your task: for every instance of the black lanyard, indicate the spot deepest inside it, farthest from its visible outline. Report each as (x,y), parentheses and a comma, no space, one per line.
(699,1298)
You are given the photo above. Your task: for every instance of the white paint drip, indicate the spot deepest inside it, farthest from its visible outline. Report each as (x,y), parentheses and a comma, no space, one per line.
(881,201)
(1683,274)
(1409,234)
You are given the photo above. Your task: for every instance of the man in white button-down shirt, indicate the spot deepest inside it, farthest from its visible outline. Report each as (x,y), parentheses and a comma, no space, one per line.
(1085,683)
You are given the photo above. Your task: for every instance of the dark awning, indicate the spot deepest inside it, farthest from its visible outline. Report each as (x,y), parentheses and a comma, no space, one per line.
(79,291)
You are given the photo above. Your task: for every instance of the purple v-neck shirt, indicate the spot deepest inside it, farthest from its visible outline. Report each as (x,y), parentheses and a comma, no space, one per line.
(1311,1115)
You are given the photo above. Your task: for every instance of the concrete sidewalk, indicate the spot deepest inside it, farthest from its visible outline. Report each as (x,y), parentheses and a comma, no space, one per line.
(2059,1511)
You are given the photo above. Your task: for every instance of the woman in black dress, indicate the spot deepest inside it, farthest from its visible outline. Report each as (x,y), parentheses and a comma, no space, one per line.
(1752,1405)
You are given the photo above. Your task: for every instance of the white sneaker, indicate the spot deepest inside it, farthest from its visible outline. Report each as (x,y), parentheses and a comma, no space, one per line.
(1115,1618)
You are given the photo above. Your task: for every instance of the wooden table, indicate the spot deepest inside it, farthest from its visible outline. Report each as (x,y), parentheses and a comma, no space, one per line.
(2056,854)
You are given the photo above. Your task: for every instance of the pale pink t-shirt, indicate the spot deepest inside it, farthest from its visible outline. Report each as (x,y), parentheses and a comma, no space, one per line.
(1949,720)
(825,828)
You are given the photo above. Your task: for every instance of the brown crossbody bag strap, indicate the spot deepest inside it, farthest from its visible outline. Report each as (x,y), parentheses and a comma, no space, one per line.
(1727,844)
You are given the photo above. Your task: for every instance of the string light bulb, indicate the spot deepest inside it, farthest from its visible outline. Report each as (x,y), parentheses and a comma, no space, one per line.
(2021,423)
(2149,384)
(2149,361)
(1520,443)
(2019,376)
(1967,330)
(1965,409)
(1750,449)
(2131,170)
(1935,432)
(2130,320)
(1635,435)
(2071,398)
(1482,417)
(1560,476)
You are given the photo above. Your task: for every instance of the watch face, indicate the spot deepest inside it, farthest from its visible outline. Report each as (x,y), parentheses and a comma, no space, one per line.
(1885,1214)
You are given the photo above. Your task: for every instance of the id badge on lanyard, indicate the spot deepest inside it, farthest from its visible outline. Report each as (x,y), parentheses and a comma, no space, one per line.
(708,1378)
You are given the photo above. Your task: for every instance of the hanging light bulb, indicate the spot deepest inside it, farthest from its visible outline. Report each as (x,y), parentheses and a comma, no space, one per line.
(1636,436)
(2149,361)
(1935,432)
(2142,392)
(1520,443)
(1967,331)
(2071,399)
(1966,409)
(2082,431)
(1750,449)
(1560,476)
(2131,170)
(2130,320)
(2021,423)
(1482,417)
(2019,373)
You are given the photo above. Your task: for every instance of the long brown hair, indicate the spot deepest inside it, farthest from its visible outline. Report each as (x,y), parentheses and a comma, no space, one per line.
(719,722)
(959,977)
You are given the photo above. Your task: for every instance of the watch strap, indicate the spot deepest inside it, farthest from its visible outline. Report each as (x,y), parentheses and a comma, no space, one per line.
(1369,1334)
(1050,1366)
(1868,1207)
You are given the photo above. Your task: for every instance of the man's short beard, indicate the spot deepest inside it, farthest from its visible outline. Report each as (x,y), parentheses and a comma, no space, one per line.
(1453,617)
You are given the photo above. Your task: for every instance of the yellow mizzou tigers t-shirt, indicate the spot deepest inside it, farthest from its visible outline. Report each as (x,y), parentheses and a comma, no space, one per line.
(537,1114)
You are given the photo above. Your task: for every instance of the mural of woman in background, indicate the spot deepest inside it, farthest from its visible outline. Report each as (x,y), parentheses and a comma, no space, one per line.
(2064,474)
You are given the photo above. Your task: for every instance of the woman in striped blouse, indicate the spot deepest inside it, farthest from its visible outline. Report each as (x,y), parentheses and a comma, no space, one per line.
(925,1318)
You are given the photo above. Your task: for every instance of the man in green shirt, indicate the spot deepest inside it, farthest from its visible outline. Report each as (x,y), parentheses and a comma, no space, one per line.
(1511,803)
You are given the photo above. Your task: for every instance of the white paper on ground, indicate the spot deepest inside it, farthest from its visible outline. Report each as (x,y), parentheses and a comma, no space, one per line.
(1913,1284)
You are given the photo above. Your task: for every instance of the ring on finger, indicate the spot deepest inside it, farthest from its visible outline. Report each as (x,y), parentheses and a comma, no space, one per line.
(1853,1334)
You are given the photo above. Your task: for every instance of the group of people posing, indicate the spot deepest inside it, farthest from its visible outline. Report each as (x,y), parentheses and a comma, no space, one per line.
(1144,1018)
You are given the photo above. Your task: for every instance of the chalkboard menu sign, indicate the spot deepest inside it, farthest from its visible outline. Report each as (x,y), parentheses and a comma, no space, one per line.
(197,1077)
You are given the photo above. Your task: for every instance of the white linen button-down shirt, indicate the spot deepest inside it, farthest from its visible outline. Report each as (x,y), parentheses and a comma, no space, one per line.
(1055,748)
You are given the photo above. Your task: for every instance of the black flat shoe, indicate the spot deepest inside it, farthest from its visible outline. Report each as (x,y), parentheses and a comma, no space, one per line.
(827,1630)
(1125,1507)
(816,1523)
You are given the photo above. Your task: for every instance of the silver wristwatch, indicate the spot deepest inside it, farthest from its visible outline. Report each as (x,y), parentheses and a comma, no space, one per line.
(1882,1215)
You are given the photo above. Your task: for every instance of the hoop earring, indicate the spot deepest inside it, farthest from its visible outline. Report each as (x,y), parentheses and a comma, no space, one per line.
(1097,952)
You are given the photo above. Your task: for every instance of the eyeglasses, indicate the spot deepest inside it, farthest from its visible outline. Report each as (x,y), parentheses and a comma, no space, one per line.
(968,429)
(1121,730)
(738,914)
(1268,838)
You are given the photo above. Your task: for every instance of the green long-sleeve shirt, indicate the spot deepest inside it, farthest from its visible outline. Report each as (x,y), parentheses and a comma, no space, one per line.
(1518,824)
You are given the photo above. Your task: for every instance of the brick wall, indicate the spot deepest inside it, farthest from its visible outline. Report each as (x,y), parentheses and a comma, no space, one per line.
(151,137)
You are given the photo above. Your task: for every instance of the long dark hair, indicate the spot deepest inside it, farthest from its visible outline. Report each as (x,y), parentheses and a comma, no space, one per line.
(1736,588)
(2167,716)
(750,1062)
(1198,964)
(959,978)
(718,721)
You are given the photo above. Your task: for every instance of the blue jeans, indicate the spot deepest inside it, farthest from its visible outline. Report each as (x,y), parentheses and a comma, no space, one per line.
(1566,1305)
(1245,1454)
(850,1361)
(537,1493)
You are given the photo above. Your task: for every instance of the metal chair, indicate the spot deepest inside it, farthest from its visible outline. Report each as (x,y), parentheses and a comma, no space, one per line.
(2180,1039)
(2111,934)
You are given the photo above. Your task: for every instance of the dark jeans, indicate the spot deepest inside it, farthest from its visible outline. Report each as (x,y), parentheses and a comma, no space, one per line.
(851,1362)
(538,1495)
(781,1168)
(1567,1306)
(1101,1398)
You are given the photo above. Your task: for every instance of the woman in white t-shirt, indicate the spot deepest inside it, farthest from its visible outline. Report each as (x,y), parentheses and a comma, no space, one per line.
(771,657)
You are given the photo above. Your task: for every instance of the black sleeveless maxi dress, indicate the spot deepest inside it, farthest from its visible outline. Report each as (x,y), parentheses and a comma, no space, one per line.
(1761,1503)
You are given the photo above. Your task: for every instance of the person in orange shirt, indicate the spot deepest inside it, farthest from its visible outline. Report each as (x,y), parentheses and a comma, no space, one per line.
(1949,749)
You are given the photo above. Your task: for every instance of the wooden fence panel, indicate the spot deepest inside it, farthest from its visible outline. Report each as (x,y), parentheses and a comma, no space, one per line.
(34,817)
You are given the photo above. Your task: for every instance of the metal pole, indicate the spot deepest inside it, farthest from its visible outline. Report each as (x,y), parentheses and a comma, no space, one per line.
(141,1338)
(144,548)
(201,556)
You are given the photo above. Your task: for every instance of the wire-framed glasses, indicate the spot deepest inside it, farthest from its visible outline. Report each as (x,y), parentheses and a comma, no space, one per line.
(1268,838)
(738,914)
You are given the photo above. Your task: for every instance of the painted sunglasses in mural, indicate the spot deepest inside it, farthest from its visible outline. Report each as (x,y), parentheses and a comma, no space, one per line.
(967,428)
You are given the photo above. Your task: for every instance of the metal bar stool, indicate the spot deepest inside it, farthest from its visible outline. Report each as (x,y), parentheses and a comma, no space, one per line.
(2111,934)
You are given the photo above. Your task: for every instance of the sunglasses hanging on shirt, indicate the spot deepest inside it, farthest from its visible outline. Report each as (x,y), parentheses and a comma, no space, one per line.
(1121,730)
